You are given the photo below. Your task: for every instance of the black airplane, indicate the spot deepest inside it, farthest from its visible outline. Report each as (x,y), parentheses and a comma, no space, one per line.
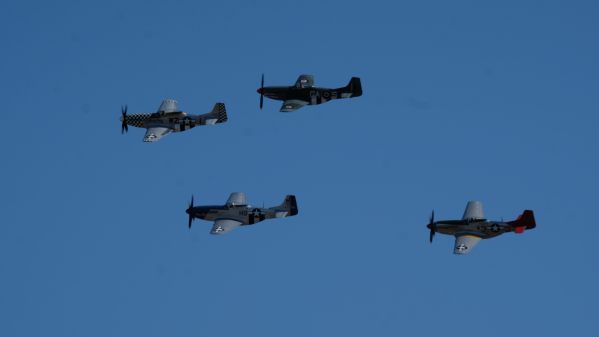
(305,93)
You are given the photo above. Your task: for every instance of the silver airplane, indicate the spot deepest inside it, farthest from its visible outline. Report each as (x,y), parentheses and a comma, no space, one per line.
(236,212)
(169,118)
(473,227)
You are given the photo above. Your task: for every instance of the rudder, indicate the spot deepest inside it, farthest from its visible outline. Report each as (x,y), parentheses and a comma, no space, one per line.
(291,204)
(525,220)
(288,207)
(220,112)
(354,87)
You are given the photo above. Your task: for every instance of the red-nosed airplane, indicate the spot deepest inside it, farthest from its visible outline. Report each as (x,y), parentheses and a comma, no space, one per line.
(473,227)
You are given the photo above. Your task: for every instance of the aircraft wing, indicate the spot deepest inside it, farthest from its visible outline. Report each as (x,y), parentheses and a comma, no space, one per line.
(292,105)
(222,226)
(237,198)
(168,105)
(464,243)
(155,133)
(474,211)
(305,81)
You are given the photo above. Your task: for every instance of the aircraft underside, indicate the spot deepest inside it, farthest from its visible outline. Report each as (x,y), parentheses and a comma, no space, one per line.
(483,230)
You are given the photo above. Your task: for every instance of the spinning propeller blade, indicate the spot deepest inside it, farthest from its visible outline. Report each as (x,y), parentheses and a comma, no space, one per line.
(432,226)
(188,211)
(124,127)
(262,92)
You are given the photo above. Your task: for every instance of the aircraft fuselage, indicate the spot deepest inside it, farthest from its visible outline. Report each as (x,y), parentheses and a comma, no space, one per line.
(177,121)
(312,95)
(245,214)
(484,229)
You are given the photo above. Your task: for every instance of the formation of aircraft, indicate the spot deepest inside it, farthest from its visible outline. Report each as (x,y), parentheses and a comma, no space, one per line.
(303,92)
(236,212)
(473,227)
(468,231)
(169,118)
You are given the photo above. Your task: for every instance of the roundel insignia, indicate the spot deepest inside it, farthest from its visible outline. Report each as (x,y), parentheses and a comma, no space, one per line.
(326,94)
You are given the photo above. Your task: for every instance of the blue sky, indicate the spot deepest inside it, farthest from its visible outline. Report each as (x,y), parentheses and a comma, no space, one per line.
(463,100)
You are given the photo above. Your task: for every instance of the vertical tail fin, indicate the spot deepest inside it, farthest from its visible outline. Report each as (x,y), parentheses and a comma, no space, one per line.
(219,112)
(354,87)
(289,206)
(525,221)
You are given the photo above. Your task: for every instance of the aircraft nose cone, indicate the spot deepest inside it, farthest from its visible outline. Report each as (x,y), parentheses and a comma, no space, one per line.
(428,226)
(187,211)
(259,90)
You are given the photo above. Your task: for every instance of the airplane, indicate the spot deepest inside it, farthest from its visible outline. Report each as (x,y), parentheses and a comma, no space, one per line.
(169,118)
(236,212)
(305,93)
(473,227)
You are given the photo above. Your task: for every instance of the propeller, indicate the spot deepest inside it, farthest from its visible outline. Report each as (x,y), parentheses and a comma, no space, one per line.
(432,226)
(188,211)
(262,92)
(124,127)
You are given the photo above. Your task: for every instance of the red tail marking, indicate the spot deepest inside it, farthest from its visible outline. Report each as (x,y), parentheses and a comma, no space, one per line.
(525,220)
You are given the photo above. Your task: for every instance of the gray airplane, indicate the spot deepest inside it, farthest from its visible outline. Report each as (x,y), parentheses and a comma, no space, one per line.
(236,212)
(305,93)
(169,118)
(473,227)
